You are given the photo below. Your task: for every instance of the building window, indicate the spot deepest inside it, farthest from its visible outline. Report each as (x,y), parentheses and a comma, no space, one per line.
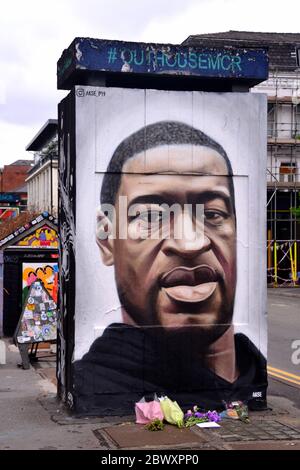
(287,172)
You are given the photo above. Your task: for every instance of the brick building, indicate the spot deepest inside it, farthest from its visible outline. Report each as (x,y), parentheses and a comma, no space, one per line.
(13,190)
(12,177)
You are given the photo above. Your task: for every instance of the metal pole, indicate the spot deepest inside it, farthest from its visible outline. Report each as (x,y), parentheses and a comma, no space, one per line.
(275,263)
(292,263)
(269,249)
(51,183)
(295,260)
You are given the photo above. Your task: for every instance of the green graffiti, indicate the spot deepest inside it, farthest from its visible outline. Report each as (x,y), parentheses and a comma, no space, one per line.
(65,66)
(236,61)
(181,60)
(203,61)
(193,60)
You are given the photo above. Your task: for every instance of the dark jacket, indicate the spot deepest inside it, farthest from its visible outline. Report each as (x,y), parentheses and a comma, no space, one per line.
(125,364)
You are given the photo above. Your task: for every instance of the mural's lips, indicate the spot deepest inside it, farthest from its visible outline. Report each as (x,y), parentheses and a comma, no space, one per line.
(195,284)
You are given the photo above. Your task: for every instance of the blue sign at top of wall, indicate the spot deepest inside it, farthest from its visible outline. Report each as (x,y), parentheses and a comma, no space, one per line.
(141,58)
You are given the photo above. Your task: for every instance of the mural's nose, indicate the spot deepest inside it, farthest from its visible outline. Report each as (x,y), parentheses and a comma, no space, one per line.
(188,237)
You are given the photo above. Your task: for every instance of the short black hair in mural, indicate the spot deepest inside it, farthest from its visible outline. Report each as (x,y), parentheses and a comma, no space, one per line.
(151,136)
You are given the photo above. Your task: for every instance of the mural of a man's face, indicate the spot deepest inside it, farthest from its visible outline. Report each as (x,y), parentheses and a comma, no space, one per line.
(170,282)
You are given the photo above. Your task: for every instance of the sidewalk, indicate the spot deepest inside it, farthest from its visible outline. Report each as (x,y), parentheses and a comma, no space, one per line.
(31,418)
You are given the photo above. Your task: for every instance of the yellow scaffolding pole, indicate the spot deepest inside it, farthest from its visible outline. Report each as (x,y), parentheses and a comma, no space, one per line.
(295,261)
(292,263)
(275,263)
(269,249)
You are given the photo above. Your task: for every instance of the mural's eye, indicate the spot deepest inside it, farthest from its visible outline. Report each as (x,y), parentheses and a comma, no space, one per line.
(151,216)
(214,217)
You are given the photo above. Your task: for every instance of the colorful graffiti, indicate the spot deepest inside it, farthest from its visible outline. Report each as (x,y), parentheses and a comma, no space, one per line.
(7,213)
(21,230)
(46,273)
(42,237)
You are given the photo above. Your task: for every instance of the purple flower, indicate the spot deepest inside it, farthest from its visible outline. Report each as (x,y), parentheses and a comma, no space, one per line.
(188,414)
(213,416)
(199,415)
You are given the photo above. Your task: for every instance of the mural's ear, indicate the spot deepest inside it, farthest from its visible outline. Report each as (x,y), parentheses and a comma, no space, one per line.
(104,238)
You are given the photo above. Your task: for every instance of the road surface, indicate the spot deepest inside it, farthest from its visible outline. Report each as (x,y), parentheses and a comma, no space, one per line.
(284,344)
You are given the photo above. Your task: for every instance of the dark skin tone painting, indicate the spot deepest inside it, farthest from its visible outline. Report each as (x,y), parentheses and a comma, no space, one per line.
(167,225)
(184,285)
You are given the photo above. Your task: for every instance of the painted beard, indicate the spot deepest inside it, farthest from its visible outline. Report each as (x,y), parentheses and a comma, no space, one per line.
(174,313)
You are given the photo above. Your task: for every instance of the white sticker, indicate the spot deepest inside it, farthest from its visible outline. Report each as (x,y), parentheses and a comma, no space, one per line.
(23,339)
(210,424)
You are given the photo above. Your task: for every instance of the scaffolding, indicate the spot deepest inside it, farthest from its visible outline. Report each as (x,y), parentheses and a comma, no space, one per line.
(283,178)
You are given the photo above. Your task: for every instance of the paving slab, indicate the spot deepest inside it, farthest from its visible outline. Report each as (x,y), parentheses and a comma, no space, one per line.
(266,445)
(259,430)
(25,424)
(48,373)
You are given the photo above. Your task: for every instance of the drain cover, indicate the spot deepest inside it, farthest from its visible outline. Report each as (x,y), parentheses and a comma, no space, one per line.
(136,436)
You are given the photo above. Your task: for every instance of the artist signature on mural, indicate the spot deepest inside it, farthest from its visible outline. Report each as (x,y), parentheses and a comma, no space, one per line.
(81,93)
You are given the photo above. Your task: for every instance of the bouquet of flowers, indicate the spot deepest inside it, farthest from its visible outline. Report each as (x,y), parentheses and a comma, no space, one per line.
(148,411)
(236,410)
(194,416)
(173,414)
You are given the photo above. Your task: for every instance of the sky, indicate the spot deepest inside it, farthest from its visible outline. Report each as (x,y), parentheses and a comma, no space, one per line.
(33,34)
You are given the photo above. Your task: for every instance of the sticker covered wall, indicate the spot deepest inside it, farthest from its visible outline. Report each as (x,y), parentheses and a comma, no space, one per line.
(39,317)
(168,243)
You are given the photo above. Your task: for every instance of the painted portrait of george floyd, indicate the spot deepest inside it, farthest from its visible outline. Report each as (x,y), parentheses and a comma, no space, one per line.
(170,252)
